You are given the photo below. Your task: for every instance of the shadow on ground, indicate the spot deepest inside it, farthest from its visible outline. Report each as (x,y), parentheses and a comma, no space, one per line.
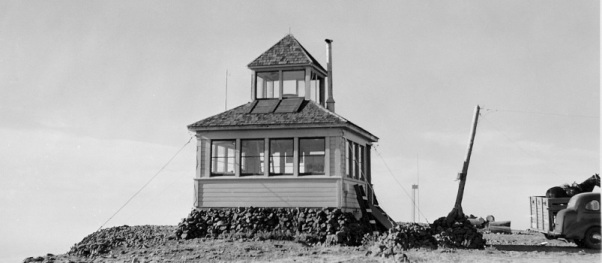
(536,248)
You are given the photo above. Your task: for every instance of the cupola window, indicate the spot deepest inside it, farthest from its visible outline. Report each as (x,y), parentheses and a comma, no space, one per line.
(293,83)
(268,85)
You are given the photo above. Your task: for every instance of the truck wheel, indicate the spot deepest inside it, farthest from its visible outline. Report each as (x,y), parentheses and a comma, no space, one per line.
(592,238)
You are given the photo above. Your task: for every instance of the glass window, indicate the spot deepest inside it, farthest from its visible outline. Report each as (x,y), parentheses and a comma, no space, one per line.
(348,158)
(315,88)
(268,85)
(293,82)
(356,171)
(360,161)
(311,156)
(593,205)
(281,156)
(355,161)
(252,157)
(223,157)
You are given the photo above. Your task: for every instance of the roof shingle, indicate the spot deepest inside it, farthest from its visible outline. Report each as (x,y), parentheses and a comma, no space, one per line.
(288,51)
(309,113)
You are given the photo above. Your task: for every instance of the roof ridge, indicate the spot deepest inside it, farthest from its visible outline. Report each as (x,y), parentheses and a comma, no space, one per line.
(287,51)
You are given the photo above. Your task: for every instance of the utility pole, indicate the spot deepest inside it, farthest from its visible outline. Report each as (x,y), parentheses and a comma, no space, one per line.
(457,210)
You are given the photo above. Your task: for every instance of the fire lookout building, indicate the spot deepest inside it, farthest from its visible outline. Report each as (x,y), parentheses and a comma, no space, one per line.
(287,147)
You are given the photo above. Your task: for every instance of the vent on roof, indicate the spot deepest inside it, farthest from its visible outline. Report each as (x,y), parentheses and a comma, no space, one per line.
(288,105)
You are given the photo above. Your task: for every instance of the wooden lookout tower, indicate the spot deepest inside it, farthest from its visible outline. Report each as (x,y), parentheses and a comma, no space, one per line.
(287,147)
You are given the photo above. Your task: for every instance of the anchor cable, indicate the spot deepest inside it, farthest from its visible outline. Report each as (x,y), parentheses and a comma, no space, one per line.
(146,184)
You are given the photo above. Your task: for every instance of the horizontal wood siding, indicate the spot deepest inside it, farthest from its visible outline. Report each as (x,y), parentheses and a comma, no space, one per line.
(351,198)
(267,193)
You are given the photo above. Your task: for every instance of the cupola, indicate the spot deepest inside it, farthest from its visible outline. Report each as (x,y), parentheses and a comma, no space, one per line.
(287,70)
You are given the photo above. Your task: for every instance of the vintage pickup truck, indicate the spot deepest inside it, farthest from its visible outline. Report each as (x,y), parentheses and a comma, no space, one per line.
(576,219)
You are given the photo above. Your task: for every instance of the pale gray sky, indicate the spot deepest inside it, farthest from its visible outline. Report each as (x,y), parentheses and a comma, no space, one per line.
(96,96)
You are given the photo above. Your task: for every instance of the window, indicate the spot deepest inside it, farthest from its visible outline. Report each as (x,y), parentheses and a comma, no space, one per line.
(293,83)
(348,158)
(360,161)
(356,168)
(252,157)
(268,85)
(223,157)
(355,161)
(281,156)
(311,156)
(593,205)
(315,88)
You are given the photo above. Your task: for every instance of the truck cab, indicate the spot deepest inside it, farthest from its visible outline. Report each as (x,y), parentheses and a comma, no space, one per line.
(580,221)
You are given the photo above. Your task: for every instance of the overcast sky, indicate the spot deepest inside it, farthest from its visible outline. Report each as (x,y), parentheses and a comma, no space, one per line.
(96,95)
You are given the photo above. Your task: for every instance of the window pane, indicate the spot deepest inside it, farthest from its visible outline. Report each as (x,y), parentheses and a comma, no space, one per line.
(315,88)
(251,157)
(268,84)
(360,160)
(311,156)
(356,172)
(593,205)
(293,83)
(349,158)
(281,156)
(223,157)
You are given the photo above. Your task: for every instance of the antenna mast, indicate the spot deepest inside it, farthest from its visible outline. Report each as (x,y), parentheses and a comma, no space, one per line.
(226,100)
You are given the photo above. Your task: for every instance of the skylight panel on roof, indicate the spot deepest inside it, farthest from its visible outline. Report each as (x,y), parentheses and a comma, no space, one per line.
(265,106)
(289,105)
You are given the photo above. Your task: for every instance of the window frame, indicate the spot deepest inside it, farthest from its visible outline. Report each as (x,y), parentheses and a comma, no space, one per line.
(323,156)
(292,157)
(261,158)
(355,160)
(214,159)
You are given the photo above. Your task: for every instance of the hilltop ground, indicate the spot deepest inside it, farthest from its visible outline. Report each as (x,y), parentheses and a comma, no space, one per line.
(517,247)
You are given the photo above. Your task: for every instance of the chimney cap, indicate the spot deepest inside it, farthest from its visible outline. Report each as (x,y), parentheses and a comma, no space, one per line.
(328,40)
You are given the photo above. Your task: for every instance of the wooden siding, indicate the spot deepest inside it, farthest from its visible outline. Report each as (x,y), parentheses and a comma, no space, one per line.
(351,196)
(273,192)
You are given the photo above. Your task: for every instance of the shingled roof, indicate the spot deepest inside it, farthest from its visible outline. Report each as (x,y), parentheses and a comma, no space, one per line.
(309,114)
(288,51)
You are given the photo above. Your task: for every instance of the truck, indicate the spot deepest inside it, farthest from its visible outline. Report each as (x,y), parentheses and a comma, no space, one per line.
(575,219)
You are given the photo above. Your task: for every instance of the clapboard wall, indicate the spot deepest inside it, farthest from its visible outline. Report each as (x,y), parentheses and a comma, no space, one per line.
(268,192)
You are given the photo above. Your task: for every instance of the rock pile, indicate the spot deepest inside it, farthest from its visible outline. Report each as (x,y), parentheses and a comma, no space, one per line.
(459,233)
(400,238)
(412,235)
(277,223)
(105,240)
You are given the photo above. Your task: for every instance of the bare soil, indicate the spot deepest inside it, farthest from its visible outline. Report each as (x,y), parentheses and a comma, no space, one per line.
(516,247)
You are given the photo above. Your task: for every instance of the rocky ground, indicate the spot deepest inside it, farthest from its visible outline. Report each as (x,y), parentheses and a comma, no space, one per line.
(158,244)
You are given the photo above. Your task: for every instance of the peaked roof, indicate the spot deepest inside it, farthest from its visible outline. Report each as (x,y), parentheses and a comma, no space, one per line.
(309,115)
(288,51)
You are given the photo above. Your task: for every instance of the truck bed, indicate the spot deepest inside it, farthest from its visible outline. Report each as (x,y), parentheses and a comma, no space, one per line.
(544,210)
